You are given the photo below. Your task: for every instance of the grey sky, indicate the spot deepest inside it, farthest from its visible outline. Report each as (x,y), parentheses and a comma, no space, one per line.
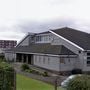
(17,17)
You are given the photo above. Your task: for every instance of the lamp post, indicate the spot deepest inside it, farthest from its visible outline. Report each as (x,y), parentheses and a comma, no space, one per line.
(55,81)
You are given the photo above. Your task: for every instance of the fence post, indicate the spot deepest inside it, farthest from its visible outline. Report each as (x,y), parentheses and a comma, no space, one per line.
(14,80)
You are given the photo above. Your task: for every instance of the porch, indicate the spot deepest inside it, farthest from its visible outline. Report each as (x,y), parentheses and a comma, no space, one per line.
(24,58)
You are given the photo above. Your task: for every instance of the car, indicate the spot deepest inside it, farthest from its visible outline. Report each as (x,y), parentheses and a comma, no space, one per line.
(65,82)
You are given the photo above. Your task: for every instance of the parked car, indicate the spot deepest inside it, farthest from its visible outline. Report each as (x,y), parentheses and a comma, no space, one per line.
(65,82)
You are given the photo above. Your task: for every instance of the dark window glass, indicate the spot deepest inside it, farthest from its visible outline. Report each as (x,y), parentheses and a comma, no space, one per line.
(88,53)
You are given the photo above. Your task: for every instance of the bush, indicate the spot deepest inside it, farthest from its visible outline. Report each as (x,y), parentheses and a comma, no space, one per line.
(24,67)
(79,83)
(45,74)
(29,70)
(6,77)
(76,71)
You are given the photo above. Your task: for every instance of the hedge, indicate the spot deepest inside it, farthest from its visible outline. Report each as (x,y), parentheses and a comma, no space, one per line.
(79,83)
(7,78)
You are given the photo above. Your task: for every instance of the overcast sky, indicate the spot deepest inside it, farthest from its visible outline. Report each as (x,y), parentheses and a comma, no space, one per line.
(17,17)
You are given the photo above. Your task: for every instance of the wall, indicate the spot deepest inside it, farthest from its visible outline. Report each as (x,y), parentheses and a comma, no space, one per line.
(10,56)
(54,63)
(85,67)
(25,42)
(1,50)
(80,59)
(68,64)
(42,61)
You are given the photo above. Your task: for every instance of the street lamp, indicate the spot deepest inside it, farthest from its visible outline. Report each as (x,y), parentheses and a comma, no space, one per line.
(55,81)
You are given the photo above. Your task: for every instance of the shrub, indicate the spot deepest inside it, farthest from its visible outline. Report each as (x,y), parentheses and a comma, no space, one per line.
(79,83)
(29,70)
(45,74)
(24,67)
(6,77)
(76,71)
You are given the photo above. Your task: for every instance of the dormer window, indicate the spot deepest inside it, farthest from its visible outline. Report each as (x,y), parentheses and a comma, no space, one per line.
(79,51)
(88,59)
(38,38)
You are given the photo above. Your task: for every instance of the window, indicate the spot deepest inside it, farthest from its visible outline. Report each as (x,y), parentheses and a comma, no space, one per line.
(39,59)
(88,61)
(38,38)
(62,60)
(43,59)
(49,38)
(48,60)
(79,51)
(88,54)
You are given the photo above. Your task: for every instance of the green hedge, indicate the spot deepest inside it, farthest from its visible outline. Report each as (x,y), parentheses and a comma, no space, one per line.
(79,83)
(7,77)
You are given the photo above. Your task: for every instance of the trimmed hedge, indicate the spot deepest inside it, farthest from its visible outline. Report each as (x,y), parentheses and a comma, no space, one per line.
(79,83)
(6,77)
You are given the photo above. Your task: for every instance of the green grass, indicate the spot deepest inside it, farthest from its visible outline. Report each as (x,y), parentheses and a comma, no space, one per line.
(25,83)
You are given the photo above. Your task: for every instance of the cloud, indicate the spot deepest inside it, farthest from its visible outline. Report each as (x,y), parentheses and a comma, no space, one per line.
(27,26)
(18,30)
(17,17)
(35,27)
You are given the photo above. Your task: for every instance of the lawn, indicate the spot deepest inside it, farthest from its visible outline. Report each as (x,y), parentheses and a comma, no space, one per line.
(25,83)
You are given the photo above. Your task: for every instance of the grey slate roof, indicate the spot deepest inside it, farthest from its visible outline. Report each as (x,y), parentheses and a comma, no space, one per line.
(80,38)
(44,49)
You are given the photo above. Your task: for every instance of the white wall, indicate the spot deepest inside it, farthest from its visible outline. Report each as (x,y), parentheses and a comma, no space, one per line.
(85,67)
(42,61)
(54,63)
(1,50)
(68,64)
(10,56)
(59,41)
(80,59)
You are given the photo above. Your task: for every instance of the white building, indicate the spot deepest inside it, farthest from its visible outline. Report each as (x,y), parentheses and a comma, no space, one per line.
(60,50)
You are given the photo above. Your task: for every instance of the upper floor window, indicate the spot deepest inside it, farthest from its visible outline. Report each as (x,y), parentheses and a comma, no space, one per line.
(88,54)
(38,38)
(88,58)
(43,38)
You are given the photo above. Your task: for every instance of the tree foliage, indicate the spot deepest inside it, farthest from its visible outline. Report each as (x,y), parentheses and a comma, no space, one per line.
(6,77)
(79,83)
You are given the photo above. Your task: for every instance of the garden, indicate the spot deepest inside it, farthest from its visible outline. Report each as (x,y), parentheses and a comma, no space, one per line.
(25,83)
(9,80)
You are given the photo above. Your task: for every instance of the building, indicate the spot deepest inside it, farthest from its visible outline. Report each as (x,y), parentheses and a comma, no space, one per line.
(7,44)
(60,50)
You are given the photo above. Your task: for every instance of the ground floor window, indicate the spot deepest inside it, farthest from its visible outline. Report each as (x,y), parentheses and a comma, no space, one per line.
(88,61)
(62,60)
